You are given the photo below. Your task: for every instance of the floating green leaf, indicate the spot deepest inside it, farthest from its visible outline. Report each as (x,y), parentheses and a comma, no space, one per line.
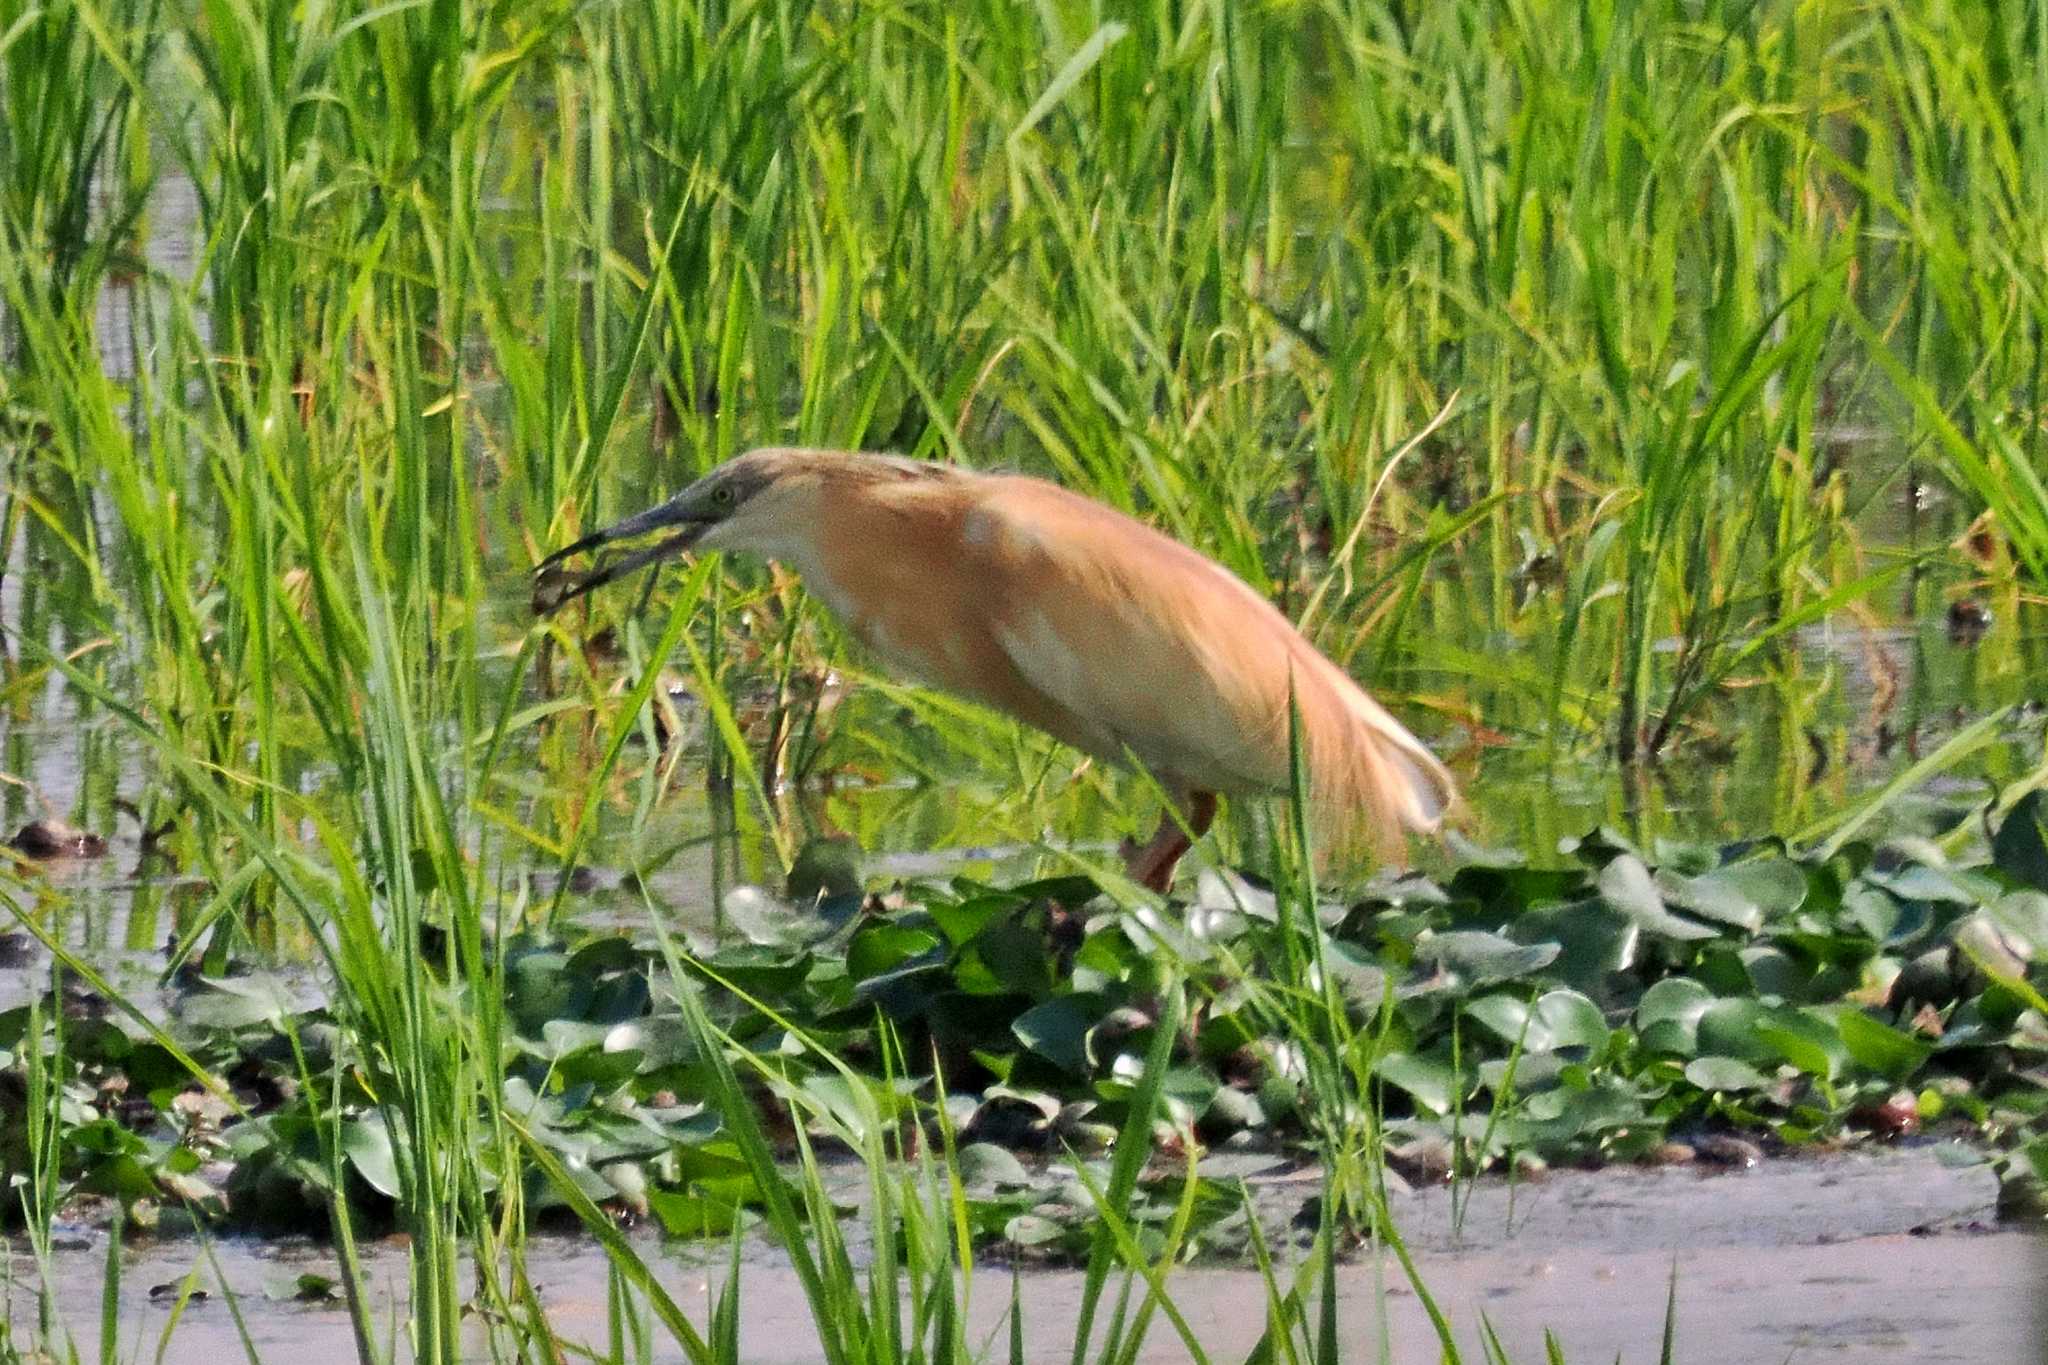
(1879,1047)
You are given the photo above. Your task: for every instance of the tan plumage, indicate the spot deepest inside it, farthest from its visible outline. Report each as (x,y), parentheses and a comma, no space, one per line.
(1074,618)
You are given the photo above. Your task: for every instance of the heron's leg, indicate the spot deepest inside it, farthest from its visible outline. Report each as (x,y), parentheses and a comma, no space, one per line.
(1152,866)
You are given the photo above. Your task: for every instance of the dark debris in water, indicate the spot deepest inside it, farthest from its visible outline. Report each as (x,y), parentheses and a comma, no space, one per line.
(1969,621)
(52,838)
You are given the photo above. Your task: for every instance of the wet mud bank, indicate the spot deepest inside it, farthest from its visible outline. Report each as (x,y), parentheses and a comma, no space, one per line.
(1869,1257)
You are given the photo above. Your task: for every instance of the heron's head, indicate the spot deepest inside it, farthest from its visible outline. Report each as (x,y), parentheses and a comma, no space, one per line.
(765,501)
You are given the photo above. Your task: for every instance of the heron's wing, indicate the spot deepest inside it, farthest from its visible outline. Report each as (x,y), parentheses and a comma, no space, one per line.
(1148,645)
(1144,643)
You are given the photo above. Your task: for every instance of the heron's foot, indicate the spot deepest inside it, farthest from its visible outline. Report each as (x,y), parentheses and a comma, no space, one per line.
(1152,865)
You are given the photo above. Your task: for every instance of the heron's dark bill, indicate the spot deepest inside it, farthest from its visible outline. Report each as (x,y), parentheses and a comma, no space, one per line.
(553,586)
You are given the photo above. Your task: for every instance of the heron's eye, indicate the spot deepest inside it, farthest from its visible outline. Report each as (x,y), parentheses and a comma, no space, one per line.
(722,496)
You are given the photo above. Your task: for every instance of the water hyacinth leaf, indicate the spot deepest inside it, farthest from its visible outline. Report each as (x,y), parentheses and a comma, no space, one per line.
(661,1039)
(1189,1091)
(984,1163)
(1032,1230)
(961,921)
(120,1176)
(1510,890)
(560,1037)
(1070,889)
(601,1070)
(762,972)
(1470,854)
(1533,1072)
(1880,916)
(1985,943)
(367,1145)
(1225,890)
(1568,1112)
(757,916)
(827,867)
(1730,1028)
(233,1003)
(1158,936)
(105,1137)
(1939,885)
(1409,891)
(1724,1073)
(689,1215)
(1773,972)
(1361,983)
(1625,885)
(1684,856)
(1599,844)
(1006,959)
(617,998)
(1710,899)
(539,986)
(1590,942)
(2023,916)
(1561,1018)
(1668,1015)
(771,922)
(1483,958)
(612,953)
(1233,1109)
(2020,847)
(882,946)
(1878,1047)
(629,1178)
(1057,1030)
(1745,894)
(1430,1082)
(1808,1042)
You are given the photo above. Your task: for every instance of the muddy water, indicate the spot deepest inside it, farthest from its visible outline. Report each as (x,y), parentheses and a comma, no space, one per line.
(1845,1259)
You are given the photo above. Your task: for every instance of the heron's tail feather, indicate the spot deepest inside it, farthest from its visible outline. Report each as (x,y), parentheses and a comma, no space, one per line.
(1370,779)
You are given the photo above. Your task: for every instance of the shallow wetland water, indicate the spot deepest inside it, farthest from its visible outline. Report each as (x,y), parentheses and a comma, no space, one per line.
(1893,1256)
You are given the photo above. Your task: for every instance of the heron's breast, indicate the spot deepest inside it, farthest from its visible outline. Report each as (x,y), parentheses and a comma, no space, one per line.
(897,597)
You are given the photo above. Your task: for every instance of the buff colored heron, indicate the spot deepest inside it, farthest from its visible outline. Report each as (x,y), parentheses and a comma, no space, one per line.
(1065,613)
